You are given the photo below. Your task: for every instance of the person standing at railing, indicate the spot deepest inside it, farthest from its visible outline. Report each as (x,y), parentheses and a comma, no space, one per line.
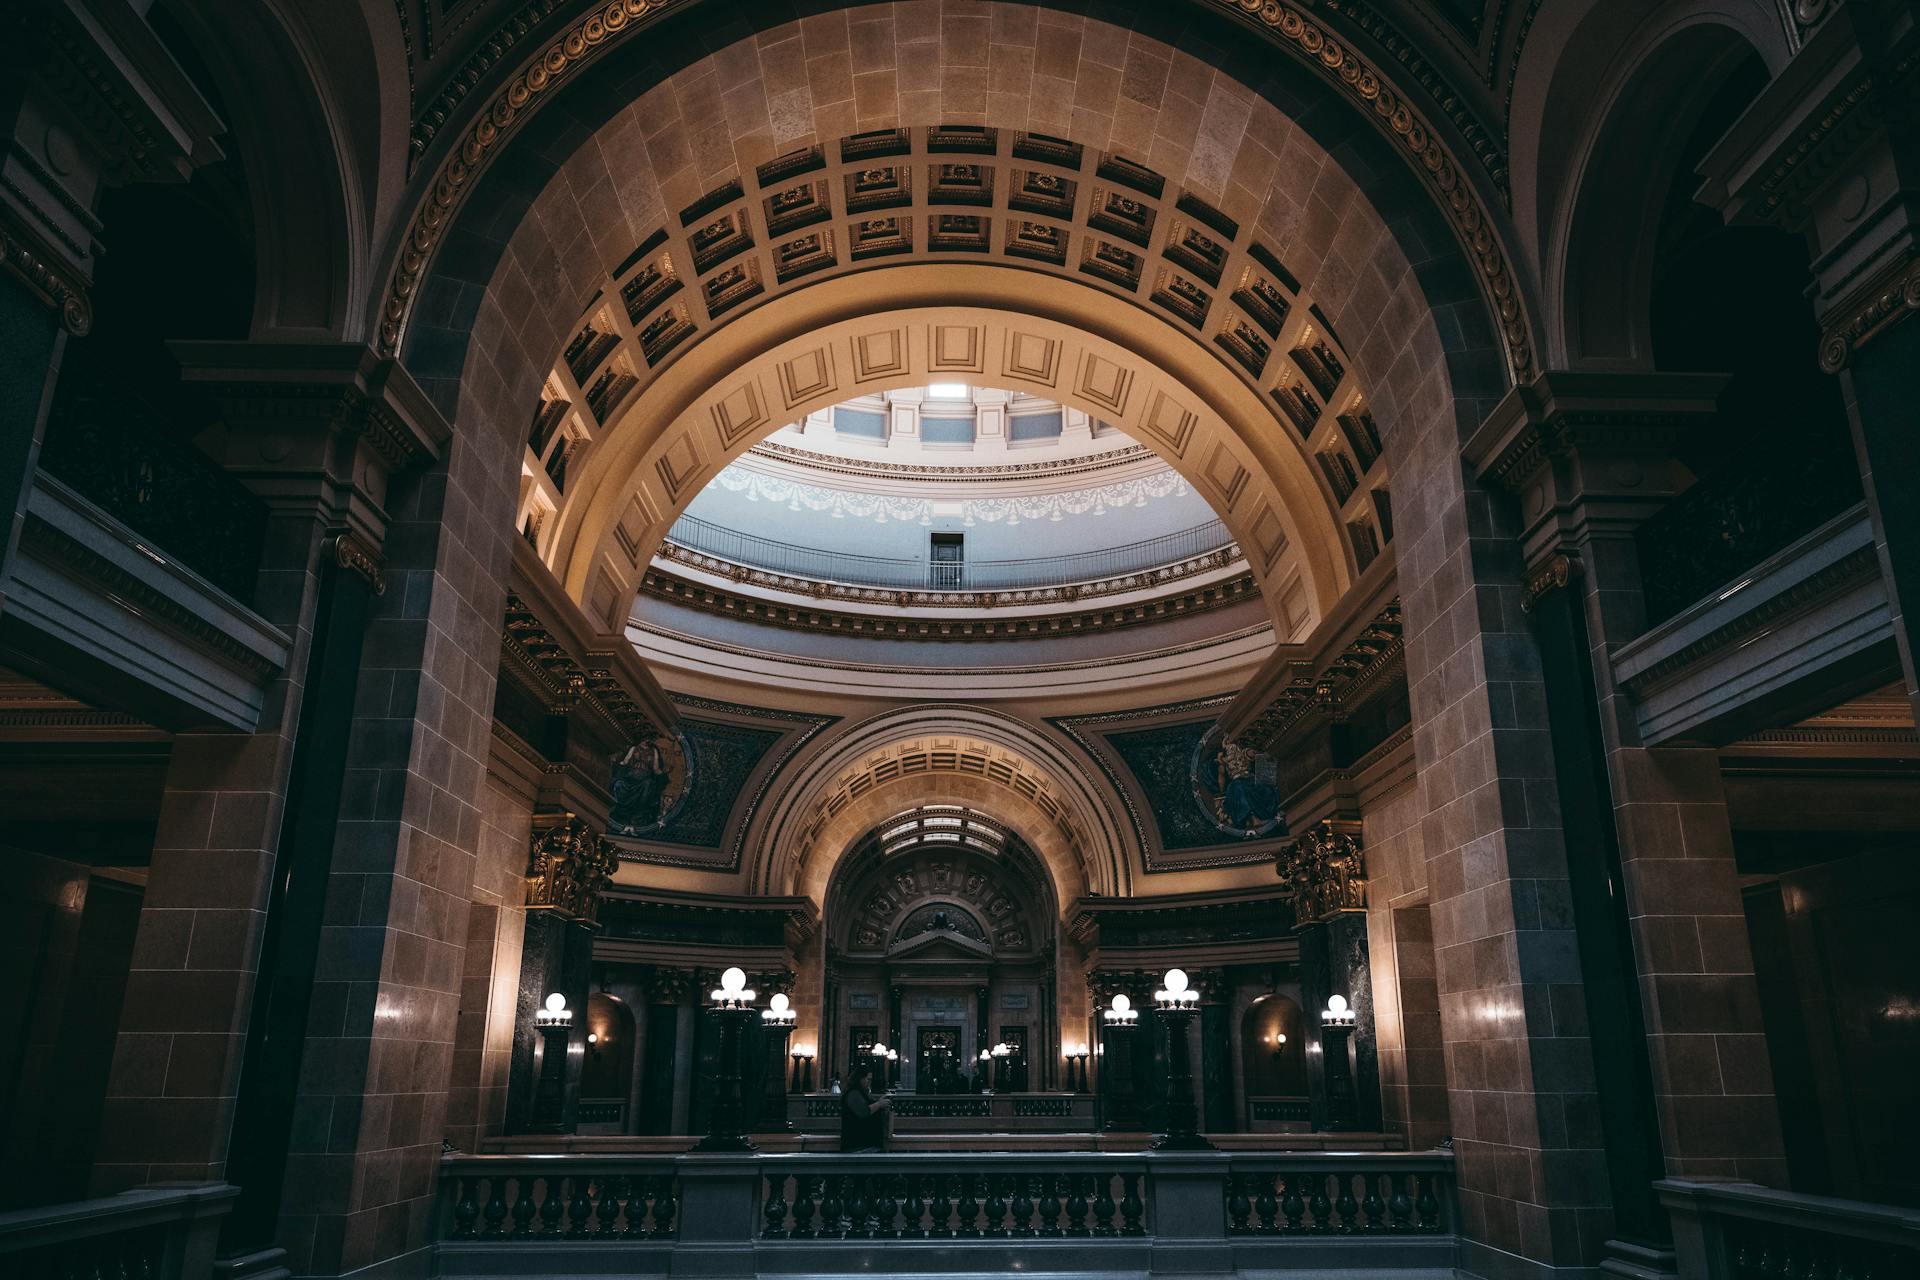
(863,1112)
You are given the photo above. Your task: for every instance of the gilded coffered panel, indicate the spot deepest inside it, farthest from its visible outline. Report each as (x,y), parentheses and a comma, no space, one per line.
(1324,523)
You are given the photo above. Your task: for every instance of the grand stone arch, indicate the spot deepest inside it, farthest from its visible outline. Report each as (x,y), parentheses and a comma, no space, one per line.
(954,754)
(1018,331)
(1405,265)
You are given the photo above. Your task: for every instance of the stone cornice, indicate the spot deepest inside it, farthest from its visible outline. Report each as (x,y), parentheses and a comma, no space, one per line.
(1363,665)
(661,585)
(544,633)
(343,385)
(1158,577)
(1561,413)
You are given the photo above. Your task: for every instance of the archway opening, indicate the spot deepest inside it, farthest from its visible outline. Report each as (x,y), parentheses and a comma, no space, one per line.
(942,929)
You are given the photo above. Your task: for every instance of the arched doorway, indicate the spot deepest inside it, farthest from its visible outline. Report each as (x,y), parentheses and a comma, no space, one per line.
(941,942)
(1273,1063)
(606,1077)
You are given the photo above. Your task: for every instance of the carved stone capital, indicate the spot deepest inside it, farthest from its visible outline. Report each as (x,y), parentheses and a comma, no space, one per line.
(1327,870)
(567,867)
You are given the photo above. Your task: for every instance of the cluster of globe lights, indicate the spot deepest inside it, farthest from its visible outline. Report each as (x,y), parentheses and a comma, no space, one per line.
(1121,1013)
(1176,996)
(779,1011)
(733,991)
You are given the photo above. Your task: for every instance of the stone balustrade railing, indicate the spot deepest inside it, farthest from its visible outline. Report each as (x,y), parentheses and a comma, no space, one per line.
(932,1212)
(1738,1231)
(161,1233)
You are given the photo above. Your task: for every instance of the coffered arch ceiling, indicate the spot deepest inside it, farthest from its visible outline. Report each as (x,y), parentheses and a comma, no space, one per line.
(656,129)
(753,377)
(823,808)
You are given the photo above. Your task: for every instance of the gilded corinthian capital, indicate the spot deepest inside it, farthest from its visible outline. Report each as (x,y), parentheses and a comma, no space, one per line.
(567,867)
(1327,869)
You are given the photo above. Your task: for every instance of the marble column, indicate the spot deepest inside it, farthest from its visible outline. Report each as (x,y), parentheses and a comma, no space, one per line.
(241,874)
(568,865)
(1651,889)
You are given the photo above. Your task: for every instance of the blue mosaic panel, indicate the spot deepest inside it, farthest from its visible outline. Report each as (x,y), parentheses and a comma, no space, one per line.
(720,764)
(1161,760)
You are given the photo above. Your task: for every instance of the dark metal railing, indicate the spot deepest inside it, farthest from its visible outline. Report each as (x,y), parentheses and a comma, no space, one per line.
(165,1233)
(816,564)
(1711,534)
(125,459)
(1735,1231)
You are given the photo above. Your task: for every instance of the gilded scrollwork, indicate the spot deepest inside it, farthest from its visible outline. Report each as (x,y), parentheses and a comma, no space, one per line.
(1327,870)
(567,867)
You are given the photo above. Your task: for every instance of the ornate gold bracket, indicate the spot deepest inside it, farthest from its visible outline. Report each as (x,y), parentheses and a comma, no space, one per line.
(568,866)
(1891,298)
(1553,575)
(1327,870)
(352,554)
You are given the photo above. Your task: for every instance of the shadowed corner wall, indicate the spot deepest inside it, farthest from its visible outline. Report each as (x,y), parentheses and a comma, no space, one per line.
(1406,1004)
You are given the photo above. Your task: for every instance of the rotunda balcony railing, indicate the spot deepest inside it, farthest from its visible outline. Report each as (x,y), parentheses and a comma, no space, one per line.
(922,574)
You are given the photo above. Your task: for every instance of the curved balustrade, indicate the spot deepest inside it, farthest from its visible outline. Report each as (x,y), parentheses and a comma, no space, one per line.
(941,1197)
(815,564)
(1088,1212)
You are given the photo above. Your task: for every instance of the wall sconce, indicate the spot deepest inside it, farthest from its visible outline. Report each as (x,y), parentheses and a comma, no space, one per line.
(1337,1013)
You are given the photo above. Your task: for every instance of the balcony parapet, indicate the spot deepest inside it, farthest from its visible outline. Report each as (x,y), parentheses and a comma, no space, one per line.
(158,1233)
(1812,615)
(152,633)
(1730,1231)
(906,1213)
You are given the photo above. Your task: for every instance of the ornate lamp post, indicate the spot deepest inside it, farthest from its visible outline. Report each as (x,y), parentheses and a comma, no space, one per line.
(554,1021)
(802,1069)
(1002,1053)
(1336,1032)
(776,1025)
(732,1004)
(1077,1068)
(1120,1019)
(1177,1003)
